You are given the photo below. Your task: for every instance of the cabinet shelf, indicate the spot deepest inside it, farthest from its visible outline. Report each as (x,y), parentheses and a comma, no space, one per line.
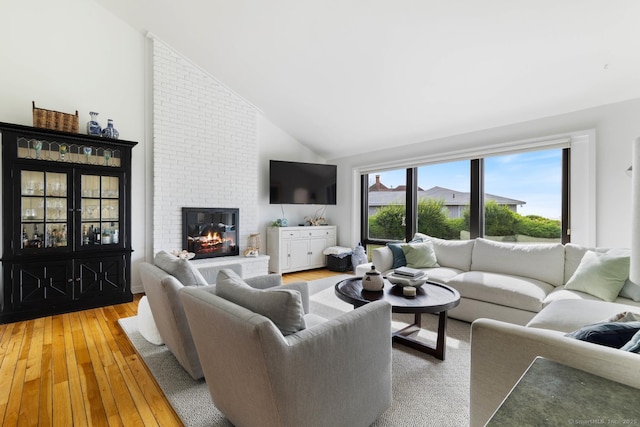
(61,193)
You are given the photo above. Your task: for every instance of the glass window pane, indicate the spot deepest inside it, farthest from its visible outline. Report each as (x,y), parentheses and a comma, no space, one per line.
(523,196)
(387,205)
(443,200)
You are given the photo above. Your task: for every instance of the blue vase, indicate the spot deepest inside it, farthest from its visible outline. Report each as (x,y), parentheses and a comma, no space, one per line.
(110,131)
(93,127)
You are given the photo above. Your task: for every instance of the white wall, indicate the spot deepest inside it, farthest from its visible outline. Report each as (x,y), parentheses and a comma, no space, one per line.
(70,55)
(275,144)
(616,126)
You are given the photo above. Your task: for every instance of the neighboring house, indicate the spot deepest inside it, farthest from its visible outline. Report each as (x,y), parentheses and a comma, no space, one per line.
(454,201)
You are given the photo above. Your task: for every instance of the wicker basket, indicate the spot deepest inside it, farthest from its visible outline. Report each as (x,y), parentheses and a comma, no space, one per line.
(49,119)
(339,264)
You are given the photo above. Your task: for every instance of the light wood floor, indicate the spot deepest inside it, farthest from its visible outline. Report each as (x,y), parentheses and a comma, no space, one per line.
(80,369)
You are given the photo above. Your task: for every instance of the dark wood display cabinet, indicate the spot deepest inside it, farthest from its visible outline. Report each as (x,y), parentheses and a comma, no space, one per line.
(66,222)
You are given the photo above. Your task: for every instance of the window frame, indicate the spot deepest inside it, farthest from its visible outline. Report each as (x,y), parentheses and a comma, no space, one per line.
(476,199)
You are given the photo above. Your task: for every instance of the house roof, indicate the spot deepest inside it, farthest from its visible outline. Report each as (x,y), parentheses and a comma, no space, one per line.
(450,197)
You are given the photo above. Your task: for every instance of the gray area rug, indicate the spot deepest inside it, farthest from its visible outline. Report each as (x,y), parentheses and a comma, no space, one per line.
(426,391)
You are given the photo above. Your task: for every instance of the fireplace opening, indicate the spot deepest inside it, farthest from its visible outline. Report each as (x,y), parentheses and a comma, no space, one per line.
(211,232)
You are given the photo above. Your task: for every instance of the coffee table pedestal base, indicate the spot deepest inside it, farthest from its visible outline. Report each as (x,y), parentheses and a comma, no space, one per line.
(402,336)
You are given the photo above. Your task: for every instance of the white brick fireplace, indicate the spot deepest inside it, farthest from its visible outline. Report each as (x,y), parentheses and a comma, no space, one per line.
(205,148)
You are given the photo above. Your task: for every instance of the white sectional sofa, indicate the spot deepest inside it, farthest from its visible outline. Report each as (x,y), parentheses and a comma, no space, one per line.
(517,298)
(510,282)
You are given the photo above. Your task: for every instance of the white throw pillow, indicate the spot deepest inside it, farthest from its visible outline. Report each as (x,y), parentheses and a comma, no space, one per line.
(600,274)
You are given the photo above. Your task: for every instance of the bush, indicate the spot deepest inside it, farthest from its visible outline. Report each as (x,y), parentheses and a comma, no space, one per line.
(388,222)
(433,219)
(537,226)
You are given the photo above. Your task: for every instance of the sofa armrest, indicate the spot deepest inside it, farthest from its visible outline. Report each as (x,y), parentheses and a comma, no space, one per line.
(210,272)
(351,351)
(264,281)
(382,258)
(501,353)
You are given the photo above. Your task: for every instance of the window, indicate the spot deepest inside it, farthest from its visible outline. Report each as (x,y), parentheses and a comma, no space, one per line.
(523,197)
(386,206)
(519,197)
(443,200)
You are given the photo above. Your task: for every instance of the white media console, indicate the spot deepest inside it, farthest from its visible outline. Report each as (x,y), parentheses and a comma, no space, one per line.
(298,248)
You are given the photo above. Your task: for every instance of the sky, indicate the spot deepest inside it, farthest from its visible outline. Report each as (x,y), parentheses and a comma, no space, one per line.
(534,177)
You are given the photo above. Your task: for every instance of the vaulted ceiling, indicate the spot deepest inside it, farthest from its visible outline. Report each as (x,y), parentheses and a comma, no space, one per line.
(342,76)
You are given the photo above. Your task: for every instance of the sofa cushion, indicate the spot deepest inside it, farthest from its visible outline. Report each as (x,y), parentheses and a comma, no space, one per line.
(629,290)
(180,268)
(611,334)
(600,274)
(544,262)
(420,255)
(511,291)
(566,315)
(282,306)
(451,253)
(441,274)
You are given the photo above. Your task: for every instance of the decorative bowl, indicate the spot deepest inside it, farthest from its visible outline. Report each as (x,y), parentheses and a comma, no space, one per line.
(407,281)
(184,254)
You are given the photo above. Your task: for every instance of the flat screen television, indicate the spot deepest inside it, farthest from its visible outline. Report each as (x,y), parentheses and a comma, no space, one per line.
(296,183)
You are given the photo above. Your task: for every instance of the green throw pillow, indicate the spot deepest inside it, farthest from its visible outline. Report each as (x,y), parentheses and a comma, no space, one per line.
(420,255)
(600,274)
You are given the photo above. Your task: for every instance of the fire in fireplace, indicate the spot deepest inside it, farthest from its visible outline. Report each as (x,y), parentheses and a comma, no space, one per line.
(211,232)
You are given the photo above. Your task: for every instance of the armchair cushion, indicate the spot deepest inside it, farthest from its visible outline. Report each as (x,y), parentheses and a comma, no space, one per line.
(180,268)
(282,306)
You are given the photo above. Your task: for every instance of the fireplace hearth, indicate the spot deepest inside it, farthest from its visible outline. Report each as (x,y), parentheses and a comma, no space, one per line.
(211,232)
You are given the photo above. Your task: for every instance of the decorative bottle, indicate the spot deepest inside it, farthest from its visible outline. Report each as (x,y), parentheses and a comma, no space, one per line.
(359,256)
(93,127)
(110,131)
(115,235)
(373,280)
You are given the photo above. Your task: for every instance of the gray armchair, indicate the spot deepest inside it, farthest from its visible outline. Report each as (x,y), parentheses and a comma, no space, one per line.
(162,290)
(336,373)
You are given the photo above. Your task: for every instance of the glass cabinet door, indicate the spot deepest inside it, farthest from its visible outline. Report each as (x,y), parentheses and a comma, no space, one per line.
(43,207)
(100,209)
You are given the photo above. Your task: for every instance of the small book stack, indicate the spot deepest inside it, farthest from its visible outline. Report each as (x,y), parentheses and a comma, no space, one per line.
(412,273)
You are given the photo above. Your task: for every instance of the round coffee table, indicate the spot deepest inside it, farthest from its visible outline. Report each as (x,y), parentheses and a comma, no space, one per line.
(430,298)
